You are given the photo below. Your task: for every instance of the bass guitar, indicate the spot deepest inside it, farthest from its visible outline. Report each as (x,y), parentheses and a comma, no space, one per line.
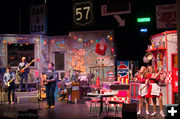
(8,83)
(19,72)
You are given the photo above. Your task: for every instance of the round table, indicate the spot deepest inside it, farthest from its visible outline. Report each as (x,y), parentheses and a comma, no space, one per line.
(106,94)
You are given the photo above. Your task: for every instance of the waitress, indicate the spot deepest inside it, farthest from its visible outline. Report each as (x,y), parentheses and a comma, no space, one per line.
(142,78)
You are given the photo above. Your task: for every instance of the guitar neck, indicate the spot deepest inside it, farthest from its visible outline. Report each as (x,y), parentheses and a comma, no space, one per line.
(11,80)
(28,65)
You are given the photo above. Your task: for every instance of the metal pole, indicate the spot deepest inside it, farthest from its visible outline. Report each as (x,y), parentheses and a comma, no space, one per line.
(19,20)
(178,43)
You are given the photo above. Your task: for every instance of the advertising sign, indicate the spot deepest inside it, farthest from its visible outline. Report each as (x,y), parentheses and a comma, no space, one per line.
(166,16)
(123,71)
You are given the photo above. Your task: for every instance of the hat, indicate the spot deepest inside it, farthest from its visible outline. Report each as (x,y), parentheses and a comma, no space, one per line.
(23,57)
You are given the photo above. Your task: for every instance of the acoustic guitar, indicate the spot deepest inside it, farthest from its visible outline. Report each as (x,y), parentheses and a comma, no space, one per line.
(43,88)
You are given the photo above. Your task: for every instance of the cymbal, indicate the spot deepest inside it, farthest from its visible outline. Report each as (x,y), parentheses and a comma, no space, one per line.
(76,70)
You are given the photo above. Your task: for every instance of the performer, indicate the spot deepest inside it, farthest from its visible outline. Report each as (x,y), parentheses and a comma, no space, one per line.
(155,90)
(75,75)
(64,83)
(142,77)
(51,79)
(24,75)
(9,81)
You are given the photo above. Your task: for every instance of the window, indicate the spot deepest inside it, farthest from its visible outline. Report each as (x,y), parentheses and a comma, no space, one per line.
(59,61)
(17,51)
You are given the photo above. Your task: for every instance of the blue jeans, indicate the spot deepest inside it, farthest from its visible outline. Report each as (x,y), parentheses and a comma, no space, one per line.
(11,89)
(24,76)
(50,89)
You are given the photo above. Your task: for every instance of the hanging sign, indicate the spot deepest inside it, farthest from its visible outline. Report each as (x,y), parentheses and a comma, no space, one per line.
(38,19)
(83,13)
(166,16)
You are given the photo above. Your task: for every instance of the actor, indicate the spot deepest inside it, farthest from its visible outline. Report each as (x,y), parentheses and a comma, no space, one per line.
(143,89)
(155,89)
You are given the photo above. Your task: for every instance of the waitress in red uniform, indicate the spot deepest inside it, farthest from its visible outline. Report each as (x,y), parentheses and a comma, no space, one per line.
(155,90)
(143,89)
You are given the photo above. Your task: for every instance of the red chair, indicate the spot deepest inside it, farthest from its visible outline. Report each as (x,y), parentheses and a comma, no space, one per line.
(121,94)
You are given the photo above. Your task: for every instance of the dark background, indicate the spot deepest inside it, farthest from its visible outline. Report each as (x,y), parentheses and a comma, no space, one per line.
(130,43)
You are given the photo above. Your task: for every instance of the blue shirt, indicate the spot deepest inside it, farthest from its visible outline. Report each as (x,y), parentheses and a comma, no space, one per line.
(8,76)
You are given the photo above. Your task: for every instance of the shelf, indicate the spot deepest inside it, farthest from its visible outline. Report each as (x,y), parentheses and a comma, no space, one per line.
(155,49)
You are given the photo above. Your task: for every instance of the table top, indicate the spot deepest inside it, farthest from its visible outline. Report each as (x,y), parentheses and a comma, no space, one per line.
(106,94)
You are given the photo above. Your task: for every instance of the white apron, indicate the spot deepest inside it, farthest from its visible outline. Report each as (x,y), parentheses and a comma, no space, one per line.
(144,91)
(156,89)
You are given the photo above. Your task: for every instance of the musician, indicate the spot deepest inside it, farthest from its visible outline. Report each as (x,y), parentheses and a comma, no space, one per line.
(51,79)
(75,76)
(8,76)
(24,75)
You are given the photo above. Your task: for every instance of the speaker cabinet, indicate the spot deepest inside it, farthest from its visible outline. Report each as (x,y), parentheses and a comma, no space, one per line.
(129,111)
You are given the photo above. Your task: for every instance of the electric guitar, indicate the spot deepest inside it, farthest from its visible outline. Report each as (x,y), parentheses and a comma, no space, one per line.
(8,83)
(19,72)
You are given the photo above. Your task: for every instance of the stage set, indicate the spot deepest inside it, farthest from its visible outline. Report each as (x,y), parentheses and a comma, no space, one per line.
(90,57)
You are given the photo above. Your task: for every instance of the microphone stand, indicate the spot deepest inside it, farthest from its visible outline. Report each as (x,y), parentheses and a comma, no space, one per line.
(39,94)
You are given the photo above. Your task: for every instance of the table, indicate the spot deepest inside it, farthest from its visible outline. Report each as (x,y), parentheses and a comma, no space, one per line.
(106,94)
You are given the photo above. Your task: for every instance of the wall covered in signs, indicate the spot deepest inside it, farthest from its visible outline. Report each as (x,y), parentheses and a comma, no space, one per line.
(92,52)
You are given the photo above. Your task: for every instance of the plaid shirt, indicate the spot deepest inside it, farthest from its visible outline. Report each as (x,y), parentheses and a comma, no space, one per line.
(51,74)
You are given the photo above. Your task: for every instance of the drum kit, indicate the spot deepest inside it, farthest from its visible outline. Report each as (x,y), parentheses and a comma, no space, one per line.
(84,84)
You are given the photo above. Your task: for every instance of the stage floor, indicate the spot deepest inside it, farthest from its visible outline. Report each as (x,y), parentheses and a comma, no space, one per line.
(62,110)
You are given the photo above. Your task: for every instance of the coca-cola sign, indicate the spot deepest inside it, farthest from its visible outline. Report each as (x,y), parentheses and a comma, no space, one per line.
(166,16)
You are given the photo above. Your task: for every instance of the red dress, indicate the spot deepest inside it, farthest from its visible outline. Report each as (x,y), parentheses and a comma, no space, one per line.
(144,92)
(154,89)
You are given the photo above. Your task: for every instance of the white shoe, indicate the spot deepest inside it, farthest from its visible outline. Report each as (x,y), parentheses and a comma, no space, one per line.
(153,114)
(162,114)
(139,112)
(147,112)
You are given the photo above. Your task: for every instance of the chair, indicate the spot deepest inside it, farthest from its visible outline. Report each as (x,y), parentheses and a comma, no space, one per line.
(120,94)
(95,101)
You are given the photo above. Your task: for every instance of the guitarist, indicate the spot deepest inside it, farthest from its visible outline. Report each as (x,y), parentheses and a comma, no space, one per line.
(50,82)
(24,74)
(9,76)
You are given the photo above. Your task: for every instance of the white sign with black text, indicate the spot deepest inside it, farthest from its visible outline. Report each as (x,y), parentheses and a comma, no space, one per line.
(38,19)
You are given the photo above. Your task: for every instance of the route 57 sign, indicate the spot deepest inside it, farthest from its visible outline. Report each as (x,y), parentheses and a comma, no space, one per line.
(83,12)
